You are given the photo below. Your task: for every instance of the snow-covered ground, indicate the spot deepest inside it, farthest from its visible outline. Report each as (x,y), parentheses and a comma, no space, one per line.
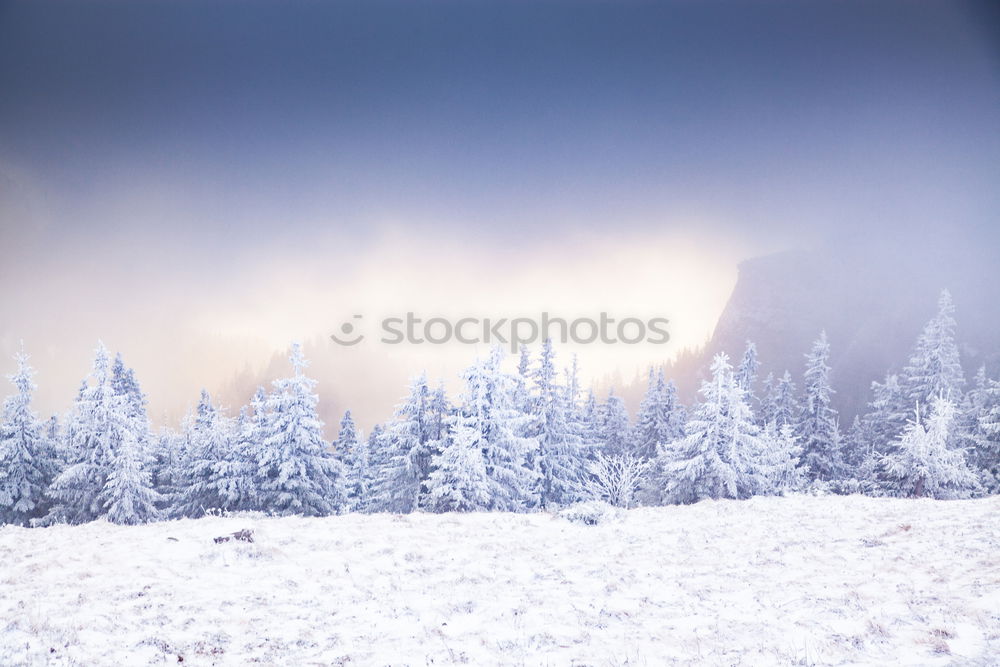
(798,580)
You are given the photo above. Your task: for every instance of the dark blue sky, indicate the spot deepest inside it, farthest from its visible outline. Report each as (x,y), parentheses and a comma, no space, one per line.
(801,116)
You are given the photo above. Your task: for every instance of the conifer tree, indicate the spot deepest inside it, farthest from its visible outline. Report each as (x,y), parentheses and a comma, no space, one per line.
(722,455)
(923,465)
(128,496)
(485,439)
(661,417)
(616,430)
(406,467)
(96,424)
(934,369)
(297,474)
(559,458)
(746,373)
(28,458)
(818,431)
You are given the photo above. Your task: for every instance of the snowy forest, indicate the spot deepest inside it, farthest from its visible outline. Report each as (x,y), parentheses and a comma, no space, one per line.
(521,440)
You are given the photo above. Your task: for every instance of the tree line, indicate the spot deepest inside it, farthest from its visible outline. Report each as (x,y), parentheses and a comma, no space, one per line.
(525,439)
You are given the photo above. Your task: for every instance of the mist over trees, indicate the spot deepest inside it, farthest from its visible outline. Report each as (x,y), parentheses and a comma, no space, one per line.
(519,440)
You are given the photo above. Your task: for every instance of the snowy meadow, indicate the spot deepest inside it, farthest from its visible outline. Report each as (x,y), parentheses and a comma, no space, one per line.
(770,581)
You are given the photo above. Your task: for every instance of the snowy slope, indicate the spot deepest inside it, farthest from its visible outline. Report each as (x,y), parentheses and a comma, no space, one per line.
(798,580)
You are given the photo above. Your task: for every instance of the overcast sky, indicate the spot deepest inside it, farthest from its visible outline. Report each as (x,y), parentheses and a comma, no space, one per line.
(198,184)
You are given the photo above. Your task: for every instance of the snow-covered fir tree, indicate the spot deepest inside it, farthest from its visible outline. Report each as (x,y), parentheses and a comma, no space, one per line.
(978,430)
(363,476)
(28,457)
(746,372)
(785,409)
(296,472)
(100,421)
(722,455)
(459,481)
(615,428)
(589,425)
(818,431)
(782,455)
(559,458)
(211,439)
(352,450)
(128,496)
(934,369)
(489,423)
(661,417)
(923,465)
(403,474)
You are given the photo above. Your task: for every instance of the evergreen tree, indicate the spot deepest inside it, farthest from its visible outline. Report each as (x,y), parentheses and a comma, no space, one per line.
(746,373)
(128,496)
(98,422)
(484,439)
(559,458)
(235,471)
(403,475)
(782,454)
(661,417)
(786,409)
(818,431)
(28,460)
(616,431)
(923,465)
(722,456)
(296,472)
(768,396)
(459,482)
(363,476)
(978,430)
(211,440)
(934,369)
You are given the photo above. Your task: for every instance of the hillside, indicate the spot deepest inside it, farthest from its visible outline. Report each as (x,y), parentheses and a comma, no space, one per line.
(872,300)
(799,580)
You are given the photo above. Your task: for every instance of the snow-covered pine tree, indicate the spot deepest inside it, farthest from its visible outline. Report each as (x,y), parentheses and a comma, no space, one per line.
(977,430)
(363,477)
(923,465)
(818,431)
(235,472)
(170,452)
(722,455)
(616,429)
(559,459)
(765,412)
(934,369)
(28,458)
(782,455)
(489,423)
(589,425)
(786,409)
(100,420)
(128,497)
(297,474)
(209,440)
(345,447)
(887,415)
(746,373)
(661,417)
(402,477)
(459,481)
